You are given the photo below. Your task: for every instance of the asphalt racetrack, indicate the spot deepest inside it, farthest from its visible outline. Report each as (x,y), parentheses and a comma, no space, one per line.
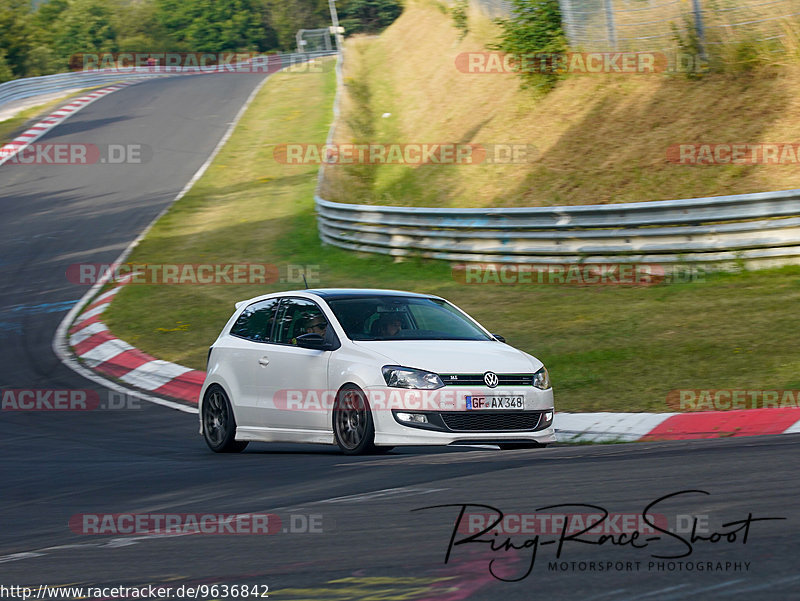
(342,527)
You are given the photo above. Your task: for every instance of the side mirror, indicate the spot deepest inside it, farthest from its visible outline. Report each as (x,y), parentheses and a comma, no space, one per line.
(314,341)
(499,337)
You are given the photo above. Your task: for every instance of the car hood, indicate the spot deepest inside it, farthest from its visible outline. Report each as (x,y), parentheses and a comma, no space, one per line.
(453,356)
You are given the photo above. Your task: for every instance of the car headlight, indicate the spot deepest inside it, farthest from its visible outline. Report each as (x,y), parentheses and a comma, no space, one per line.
(541,379)
(405,377)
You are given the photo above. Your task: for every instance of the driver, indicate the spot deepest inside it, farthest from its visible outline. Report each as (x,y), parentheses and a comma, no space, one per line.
(313,324)
(389,325)
(316,325)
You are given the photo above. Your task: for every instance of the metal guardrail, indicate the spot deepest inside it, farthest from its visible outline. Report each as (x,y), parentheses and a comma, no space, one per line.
(20,89)
(762,227)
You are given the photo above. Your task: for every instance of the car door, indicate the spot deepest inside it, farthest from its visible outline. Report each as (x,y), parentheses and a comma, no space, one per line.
(246,347)
(297,378)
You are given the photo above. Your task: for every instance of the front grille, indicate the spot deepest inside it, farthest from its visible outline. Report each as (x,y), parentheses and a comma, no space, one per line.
(477,379)
(461,421)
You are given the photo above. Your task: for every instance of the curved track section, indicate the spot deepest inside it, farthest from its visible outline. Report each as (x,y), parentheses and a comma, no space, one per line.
(347,528)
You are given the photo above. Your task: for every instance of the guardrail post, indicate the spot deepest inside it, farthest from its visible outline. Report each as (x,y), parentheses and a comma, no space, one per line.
(610,25)
(699,29)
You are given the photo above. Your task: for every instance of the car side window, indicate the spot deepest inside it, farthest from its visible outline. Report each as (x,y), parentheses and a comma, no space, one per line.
(296,317)
(255,322)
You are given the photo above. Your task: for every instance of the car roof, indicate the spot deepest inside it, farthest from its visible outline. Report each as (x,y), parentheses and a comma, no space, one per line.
(336,294)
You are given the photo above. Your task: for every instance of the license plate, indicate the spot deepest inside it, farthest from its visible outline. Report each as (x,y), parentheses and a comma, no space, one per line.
(494,403)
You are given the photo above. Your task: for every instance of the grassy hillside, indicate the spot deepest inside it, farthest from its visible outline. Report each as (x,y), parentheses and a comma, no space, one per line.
(598,138)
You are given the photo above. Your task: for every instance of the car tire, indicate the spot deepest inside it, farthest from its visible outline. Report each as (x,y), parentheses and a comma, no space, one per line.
(219,424)
(353,427)
(522,445)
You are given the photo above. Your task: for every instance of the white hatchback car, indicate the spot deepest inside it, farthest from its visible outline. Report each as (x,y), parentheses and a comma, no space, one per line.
(369,370)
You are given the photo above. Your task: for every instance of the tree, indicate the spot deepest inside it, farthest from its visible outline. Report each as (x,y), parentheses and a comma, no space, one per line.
(138,28)
(211,25)
(5,71)
(86,26)
(286,17)
(42,60)
(47,21)
(45,39)
(534,28)
(15,34)
(368,16)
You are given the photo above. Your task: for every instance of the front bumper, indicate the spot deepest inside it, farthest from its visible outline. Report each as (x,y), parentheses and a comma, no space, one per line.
(403,435)
(471,422)
(449,421)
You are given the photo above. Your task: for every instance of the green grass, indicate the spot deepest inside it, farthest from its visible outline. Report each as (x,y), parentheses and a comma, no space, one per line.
(608,348)
(10,127)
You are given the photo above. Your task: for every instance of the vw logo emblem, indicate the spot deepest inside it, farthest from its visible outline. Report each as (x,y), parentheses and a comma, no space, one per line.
(491,379)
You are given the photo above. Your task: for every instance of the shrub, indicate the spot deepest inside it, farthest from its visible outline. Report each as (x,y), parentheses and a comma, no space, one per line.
(460,19)
(534,28)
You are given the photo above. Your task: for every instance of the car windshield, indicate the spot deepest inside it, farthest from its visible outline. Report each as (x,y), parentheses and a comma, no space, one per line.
(403,318)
